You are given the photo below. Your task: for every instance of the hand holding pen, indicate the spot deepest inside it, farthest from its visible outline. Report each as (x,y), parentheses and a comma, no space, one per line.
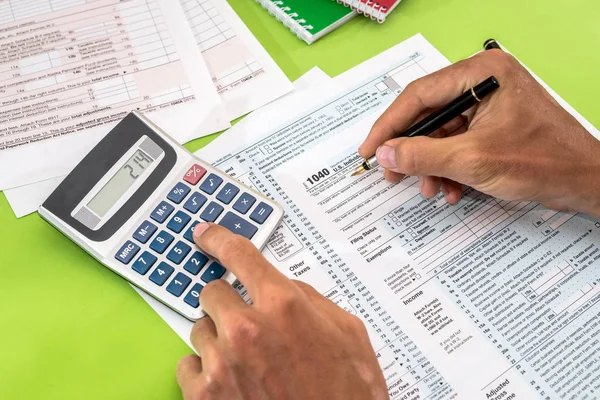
(517,144)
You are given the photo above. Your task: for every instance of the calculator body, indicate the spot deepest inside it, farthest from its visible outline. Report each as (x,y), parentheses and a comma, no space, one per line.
(133,201)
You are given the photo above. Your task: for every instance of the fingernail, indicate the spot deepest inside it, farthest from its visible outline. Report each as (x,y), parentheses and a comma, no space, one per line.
(199,229)
(386,156)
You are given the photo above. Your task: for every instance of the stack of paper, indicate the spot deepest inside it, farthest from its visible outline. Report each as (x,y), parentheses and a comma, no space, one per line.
(71,71)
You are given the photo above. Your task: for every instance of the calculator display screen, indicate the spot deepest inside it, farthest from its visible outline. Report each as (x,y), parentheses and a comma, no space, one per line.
(123,179)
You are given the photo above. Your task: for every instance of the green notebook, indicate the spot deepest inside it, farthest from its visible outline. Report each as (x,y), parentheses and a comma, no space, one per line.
(309,19)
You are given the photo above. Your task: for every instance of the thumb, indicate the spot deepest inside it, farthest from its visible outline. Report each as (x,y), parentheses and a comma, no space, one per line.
(425,156)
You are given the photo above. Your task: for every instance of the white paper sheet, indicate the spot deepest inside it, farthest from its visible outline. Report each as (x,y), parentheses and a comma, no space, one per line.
(244,132)
(244,74)
(483,300)
(74,69)
(26,199)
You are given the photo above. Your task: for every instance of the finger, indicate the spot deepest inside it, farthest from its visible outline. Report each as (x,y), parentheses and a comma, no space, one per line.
(428,93)
(430,186)
(189,375)
(392,177)
(219,299)
(424,156)
(452,191)
(204,338)
(241,257)
(320,302)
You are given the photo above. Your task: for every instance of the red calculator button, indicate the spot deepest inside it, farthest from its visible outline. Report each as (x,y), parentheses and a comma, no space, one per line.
(194,174)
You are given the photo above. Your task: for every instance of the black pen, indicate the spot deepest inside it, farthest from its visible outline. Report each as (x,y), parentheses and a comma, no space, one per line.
(441,117)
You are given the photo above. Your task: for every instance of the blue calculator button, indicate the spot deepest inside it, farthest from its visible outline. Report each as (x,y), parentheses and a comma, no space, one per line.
(261,213)
(213,272)
(227,194)
(161,273)
(193,296)
(127,252)
(178,222)
(144,232)
(178,284)
(144,263)
(194,203)
(178,193)
(162,212)
(211,212)
(211,183)
(189,232)
(196,262)
(161,242)
(178,252)
(244,203)
(238,225)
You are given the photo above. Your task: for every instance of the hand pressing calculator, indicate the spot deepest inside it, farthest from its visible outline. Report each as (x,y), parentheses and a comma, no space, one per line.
(134,201)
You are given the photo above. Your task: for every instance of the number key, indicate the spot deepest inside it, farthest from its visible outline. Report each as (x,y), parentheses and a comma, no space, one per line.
(161,242)
(178,222)
(193,296)
(189,232)
(178,252)
(144,263)
(178,193)
(178,284)
(196,262)
(161,273)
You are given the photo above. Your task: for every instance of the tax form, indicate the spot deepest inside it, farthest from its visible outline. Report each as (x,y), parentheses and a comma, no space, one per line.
(483,300)
(72,69)
(244,74)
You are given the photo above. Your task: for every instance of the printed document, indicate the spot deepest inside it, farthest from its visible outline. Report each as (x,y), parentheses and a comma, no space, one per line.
(244,74)
(486,299)
(73,68)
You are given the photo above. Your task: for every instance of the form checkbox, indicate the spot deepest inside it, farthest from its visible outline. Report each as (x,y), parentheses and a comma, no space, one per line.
(413,234)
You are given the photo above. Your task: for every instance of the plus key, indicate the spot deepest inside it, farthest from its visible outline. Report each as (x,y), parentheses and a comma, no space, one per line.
(194,174)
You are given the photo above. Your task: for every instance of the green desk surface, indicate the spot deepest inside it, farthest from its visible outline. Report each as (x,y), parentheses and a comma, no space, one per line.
(71,329)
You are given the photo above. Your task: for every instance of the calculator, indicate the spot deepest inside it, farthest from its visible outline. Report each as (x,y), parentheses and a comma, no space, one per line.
(133,202)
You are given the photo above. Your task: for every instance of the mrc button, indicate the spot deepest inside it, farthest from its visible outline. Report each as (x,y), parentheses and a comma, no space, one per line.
(127,252)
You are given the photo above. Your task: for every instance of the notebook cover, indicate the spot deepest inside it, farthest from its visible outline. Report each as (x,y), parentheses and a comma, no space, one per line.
(317,14)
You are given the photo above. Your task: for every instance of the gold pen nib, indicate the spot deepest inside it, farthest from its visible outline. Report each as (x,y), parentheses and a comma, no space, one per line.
(359,170)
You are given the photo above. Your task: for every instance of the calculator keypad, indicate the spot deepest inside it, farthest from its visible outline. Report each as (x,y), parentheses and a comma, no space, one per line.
(211,212)
(164,250)
(161,242)
(211,184)
(244,203)
(178,252)
(195,202)
(179,221)
(178,284)
(144,262)
(144,232)
(161,273)
(162,212)
(178,193)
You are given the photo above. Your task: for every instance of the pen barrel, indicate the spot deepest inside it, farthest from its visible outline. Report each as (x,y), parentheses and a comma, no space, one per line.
(440,118)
